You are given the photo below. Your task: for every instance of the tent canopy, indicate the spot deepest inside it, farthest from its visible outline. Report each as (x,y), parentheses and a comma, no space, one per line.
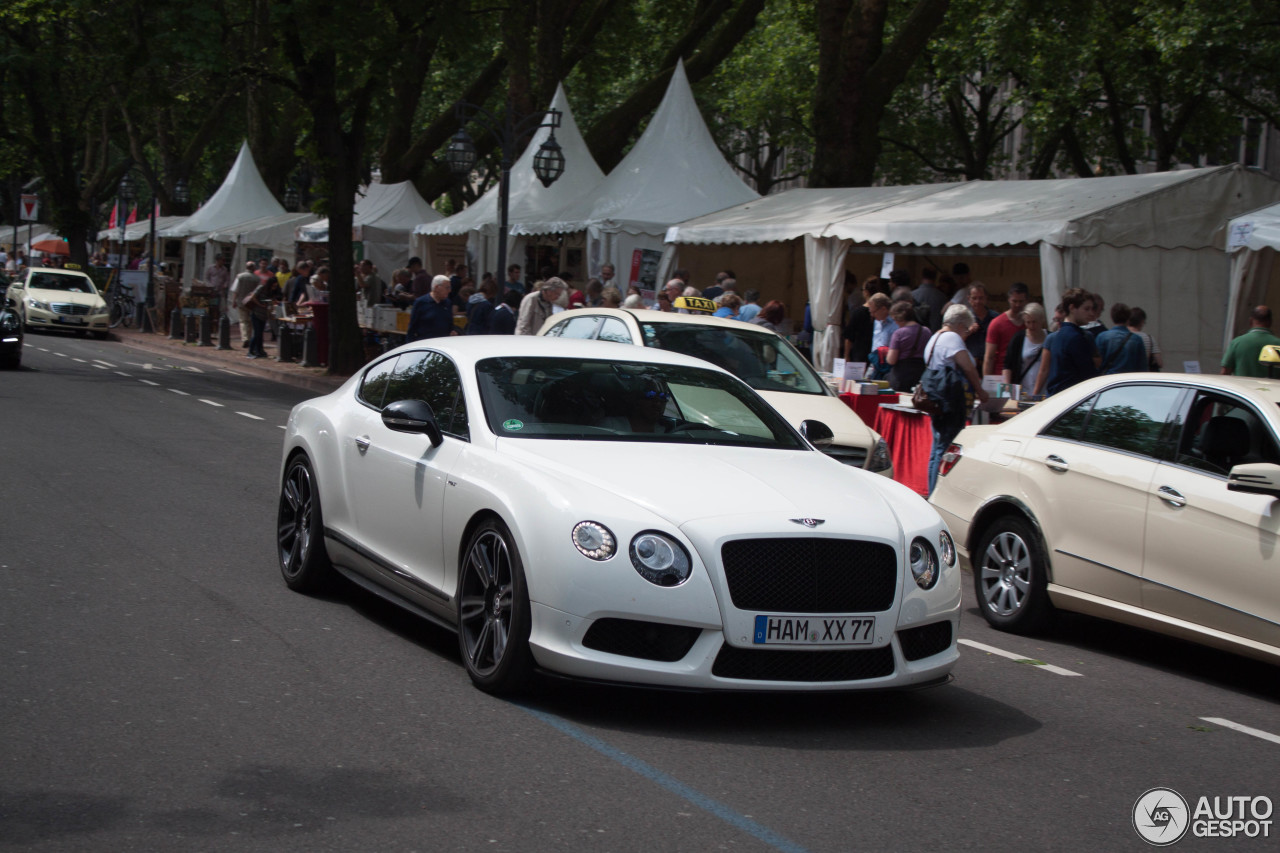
(1162,209)
(275,231)
(242,196)
(383,211)
(674,172)
(141,230)
(529,199)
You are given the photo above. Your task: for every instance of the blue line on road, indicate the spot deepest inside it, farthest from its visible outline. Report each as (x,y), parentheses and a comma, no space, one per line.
(675,786)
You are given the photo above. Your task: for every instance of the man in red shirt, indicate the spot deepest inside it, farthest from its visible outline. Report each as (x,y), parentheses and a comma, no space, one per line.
(1003,328)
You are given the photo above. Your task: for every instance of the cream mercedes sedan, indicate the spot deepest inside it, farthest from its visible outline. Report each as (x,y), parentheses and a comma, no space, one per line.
(617,514)
(754,354)
(60,299)
(1148,498)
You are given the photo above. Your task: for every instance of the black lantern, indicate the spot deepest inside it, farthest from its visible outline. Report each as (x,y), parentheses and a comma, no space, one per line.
(181,193)
(125,191)
(291,199)
(548,163)
(461,155)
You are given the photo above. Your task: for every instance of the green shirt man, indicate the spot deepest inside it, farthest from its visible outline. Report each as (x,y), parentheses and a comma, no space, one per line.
(1241,357)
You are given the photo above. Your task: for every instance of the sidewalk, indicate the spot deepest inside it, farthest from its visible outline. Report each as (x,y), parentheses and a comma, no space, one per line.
(289,373)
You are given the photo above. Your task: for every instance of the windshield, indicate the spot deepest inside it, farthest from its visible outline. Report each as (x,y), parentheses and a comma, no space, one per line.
(598,400)
(60,281)
(761,359)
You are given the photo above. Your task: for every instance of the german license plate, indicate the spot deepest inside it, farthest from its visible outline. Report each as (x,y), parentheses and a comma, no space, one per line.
(70,321)
(815,630)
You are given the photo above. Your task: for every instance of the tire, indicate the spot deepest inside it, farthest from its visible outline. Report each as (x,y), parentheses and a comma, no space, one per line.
(117,314)
(304,562)
(493,612)
(1010,577)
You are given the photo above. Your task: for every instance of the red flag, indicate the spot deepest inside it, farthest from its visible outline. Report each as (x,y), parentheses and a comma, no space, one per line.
(112,222)
(155,212)
(133,216)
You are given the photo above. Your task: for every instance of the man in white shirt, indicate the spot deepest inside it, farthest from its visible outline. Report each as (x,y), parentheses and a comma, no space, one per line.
(244,284)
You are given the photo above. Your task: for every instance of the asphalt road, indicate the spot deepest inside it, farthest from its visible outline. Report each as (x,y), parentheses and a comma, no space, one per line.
(162,690)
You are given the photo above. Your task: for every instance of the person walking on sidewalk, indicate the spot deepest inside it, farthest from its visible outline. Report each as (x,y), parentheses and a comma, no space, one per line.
(259,305)
(241,287)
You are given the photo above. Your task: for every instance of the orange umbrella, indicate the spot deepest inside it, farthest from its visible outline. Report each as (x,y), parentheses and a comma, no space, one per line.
(51,247)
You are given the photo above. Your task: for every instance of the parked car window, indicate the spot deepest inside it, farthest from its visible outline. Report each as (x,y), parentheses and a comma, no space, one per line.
(1134,418)
(759,358)
(576,327)
(1223,432)
(1071,422)
(614,330)
(432,378)
(373,389)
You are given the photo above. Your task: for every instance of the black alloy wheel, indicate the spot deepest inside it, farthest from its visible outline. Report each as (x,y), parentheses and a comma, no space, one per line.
(300,531)
(493,612)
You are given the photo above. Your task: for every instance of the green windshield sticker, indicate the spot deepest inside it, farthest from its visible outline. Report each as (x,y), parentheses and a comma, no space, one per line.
(513,424)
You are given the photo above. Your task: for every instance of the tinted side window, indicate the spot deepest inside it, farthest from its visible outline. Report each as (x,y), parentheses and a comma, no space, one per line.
(1223,432)
(1069,424)
(432,378)
(374,387)
(614,330)
(1134,418)
(578,327)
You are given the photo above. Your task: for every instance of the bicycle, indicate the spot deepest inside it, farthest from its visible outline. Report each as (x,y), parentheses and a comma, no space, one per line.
(123,307)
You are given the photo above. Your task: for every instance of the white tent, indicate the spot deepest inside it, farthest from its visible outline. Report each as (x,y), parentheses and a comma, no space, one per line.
(674,172)
(141,230)
(385,216)
(528,198)
(267,235)
(242,196)
(1252,243)
(1141,239)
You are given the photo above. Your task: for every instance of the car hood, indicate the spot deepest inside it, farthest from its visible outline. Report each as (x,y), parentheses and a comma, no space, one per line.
(849,429)
(65,296)
(682,483)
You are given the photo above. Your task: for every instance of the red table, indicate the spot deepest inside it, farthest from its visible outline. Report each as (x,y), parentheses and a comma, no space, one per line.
(909,434)
(866,405)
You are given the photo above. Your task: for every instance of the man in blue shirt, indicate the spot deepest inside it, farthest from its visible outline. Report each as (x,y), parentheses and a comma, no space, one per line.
(1121,350)
(432,315)
(1071,350)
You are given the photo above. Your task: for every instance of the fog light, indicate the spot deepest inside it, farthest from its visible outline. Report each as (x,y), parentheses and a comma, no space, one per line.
(924,563)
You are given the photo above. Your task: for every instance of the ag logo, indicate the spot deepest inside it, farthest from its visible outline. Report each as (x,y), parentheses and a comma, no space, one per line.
(1161,816)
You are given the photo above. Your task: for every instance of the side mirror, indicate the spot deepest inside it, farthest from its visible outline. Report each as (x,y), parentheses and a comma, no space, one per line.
(817,433)
(412,416)
(1257,478)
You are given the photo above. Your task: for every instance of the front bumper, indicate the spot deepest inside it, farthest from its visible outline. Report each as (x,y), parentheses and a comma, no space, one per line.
(59,319)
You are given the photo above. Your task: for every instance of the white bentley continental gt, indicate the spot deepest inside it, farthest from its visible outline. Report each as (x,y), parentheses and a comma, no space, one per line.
(614,514)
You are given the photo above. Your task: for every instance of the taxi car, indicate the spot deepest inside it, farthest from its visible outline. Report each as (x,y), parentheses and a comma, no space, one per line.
(1148,498)
(617,514)
(48,298)
(10,328)
(760,357)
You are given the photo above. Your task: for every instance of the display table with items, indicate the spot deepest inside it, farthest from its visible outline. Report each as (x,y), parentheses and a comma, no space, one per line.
(867,405)
(909,434)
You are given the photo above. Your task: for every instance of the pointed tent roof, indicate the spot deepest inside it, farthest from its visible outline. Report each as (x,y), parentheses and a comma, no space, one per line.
(384,212)
(242,196)
(530,200)
(675,172)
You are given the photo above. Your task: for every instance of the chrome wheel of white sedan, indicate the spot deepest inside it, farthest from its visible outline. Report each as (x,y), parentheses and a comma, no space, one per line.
(300,531)
(1009,576)
(493,612)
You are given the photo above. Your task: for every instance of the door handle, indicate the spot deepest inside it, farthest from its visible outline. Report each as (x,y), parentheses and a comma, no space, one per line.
(363,443)
(1171,496)
(1056,463)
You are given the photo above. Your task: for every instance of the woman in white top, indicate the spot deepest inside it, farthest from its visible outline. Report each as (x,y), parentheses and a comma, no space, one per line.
(1022,358)
(947,349)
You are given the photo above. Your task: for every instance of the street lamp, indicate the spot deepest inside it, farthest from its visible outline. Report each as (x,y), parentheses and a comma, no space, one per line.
(124,194)
(548,163)
(181,193)
(291,199)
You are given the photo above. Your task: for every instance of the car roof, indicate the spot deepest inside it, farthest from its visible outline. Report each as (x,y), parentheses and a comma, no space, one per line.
(59,271)
(1267,389)
(468,349)
(650,315)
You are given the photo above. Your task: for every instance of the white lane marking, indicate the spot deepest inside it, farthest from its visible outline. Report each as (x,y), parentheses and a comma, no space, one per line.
(193,369)
(1227,724)
(282,426)
(100,367)
(122,373)
(59,354)
(1057,670)
(81,360)
(107,363)
(247,415)
(183,393)
(210,402)
(232,372)
(149,382)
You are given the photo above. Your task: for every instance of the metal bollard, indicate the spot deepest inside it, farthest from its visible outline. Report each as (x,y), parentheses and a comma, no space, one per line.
(285,351)
(191,335)
(224,333)
(310,358)
(206,331)
(175,325)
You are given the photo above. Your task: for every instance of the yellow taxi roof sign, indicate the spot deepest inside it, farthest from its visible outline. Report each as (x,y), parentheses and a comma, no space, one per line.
(1270,354)
(696,304)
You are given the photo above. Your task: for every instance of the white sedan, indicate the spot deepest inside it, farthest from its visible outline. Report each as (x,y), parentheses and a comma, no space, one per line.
(614,514)
(60,299)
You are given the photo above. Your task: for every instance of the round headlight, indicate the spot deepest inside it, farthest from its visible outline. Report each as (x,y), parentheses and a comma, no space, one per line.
(947,546)
(924,563)
(660,559)
(594,540)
